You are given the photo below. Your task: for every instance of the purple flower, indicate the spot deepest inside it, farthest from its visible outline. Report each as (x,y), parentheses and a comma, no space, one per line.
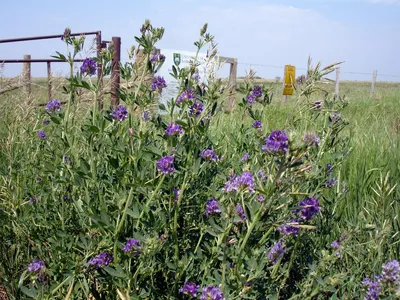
(373,289)
(251,99)
(240,212)
(67,160)
(166,165)
(212,207)
(335,118)
(157,58)
(245,157)
(189,288)
(196,109)
(242,182)
(211,292)
(208,154)
(329,169)
(53,106)
(88,67)
(289,229)
(38,179)
(41,135)
(102,259)
(186,96)
(261,175)
(36,266)
(46,122)
(277,141)
(158,84)
(257,124)
(335,244)
(146,115)
(132,246)
(176,194)
(254,94)
(173,129)
(330,182)
(309,207)
(196,77)
(120,113)
(33,200)
(317,105)
(301,79)
(310,140)
(260,198)
(277,251)
(391,272)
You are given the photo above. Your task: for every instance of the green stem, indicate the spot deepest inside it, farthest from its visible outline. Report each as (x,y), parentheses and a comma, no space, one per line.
(121,222)
(150,200)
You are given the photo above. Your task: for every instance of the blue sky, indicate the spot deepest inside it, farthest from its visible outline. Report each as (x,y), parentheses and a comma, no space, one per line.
(364,33)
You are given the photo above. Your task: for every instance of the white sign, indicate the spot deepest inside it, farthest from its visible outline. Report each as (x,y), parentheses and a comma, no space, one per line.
(179,59)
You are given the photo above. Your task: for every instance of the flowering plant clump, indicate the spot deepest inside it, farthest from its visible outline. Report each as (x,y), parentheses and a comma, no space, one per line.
(88,67)
(53,106)
(166,165)
(158,84)
(173,129)
(120,113)
(186,96)
(276,142)
(133,201)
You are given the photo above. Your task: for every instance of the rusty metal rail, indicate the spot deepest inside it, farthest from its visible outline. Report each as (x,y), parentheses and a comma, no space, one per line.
(44,37)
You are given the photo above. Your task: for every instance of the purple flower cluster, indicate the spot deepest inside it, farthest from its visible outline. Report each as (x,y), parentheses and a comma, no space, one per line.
(391,272)
(277,251)
(190,289)
(158,84)
(301,79)
(209,154)
(260,198)
(290,228)
(277,141)
(390,276)
(308,208)
(102,259)
(132,246)
(146,116)
(257,124)
(330,182)
(242,182)
(311,140)
(186,96)
(254,95)
(211,292)
(120,113)
(196,109)
(240,212)
(173,129)
(41,135)
(166,165)
(373,289)
(36,266)
(245,157)
(176,194)
(196,77)
(88,66)
(157,58)
(53,106)
(212,207)
(46,122)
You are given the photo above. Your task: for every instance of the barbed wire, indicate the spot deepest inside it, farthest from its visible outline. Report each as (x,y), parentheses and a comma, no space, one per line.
(304,69)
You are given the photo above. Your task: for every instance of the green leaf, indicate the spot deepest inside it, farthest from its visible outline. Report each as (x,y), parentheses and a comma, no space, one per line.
(29,292)
(115,272)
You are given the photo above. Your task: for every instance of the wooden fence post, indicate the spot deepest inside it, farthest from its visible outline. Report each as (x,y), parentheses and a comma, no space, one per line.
(373,83)
(26,74)
(232,83)
(116,78)
(337,82)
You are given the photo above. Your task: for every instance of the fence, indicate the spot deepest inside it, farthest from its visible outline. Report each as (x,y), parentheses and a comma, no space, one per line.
(27,61)
(374,75)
